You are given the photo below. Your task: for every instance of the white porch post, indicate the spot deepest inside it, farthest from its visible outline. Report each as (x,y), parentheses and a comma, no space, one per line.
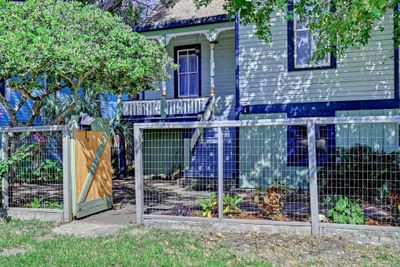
(164,40)
(212,38)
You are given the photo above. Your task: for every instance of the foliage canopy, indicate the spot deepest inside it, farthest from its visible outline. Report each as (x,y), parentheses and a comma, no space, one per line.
(337,24)
(47,45)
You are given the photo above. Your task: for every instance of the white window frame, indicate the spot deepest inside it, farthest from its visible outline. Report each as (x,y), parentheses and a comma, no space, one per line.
(188,72)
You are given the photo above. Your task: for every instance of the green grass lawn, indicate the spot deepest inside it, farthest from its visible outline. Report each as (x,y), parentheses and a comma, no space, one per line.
(143,246)
(136,246)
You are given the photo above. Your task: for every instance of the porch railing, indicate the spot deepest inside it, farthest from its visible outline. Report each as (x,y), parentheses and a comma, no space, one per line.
(148,108)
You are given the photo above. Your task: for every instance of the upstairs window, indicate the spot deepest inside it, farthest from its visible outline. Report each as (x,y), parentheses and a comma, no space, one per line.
(187,77)
(301,47)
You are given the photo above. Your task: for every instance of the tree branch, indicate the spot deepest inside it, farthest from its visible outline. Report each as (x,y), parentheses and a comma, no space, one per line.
(11,113)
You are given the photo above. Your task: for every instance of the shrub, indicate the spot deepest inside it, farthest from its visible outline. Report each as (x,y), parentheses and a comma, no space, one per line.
(346,211)
(361,171)
(272,205)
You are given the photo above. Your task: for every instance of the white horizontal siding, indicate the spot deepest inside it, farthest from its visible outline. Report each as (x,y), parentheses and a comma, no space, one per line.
(363,74)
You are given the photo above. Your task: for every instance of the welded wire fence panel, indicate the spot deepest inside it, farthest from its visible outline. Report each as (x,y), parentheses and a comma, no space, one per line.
(180,172)
(264,171)
(359,173)
(36,174)
(266,177)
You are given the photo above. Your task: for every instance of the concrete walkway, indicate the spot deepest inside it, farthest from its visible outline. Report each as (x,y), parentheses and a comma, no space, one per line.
(104,223)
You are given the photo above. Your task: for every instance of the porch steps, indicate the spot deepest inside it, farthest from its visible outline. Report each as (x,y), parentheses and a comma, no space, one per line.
(204,157)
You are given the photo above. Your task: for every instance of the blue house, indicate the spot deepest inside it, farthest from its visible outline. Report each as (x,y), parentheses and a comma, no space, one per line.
(226,73)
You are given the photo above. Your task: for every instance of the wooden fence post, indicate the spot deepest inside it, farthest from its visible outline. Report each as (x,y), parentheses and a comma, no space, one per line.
(138,139)
(67,177)
(312,168)
(220,174)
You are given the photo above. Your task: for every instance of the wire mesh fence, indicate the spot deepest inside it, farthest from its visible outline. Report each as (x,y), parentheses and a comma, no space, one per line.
(180,168)
(33,168)
(178,181)
(312,170)
(266,182)
(359,180)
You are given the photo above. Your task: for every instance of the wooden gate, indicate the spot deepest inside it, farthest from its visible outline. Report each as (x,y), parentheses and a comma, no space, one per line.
(93,178)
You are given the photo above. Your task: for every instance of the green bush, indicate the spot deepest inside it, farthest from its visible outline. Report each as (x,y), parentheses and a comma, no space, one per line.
(362,172)
(346,211)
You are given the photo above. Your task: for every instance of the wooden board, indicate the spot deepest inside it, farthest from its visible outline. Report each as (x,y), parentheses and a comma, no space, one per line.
(87,145)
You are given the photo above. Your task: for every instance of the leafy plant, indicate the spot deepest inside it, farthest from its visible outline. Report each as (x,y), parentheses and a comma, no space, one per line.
(231,204)
(282,188)
(272,205)
(65,44)
(22,154)
(50,169)
(181,210)
(209,206)
(361,171)
(395,199)
(48,204)
(36,203)
(346,211)
(395,207)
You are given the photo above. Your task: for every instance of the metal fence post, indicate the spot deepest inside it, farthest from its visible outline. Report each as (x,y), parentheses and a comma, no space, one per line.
(138,145)
(67,181)
(5,182)
(220,174)
(312,167)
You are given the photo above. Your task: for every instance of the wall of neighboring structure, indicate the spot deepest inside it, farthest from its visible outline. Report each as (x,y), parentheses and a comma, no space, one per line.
(365,74)
(224,64)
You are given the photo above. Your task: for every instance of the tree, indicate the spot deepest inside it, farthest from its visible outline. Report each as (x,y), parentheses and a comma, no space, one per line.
(133,12)
(337,24)
(48,45)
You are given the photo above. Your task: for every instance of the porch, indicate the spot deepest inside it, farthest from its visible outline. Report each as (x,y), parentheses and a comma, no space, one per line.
(203,83)
(184,108)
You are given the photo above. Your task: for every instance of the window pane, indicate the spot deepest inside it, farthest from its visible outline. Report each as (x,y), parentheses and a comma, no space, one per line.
(183,61)
(192,61)
(303,45)
(324,61)
(194,84)
(183,85)
(299,25)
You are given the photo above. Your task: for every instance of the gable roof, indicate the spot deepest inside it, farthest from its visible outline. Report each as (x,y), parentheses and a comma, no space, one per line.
(183,13)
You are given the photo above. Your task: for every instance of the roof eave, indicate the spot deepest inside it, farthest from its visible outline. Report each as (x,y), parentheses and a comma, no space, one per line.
(183,23)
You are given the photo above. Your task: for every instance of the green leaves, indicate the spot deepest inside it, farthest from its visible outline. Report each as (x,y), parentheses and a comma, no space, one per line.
(209,206)
(346,211)
(231,204)
(338,25)
(15,158)
(68,44)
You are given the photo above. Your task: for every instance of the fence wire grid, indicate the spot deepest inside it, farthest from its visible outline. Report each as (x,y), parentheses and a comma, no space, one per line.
(266,175)
(35,171)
